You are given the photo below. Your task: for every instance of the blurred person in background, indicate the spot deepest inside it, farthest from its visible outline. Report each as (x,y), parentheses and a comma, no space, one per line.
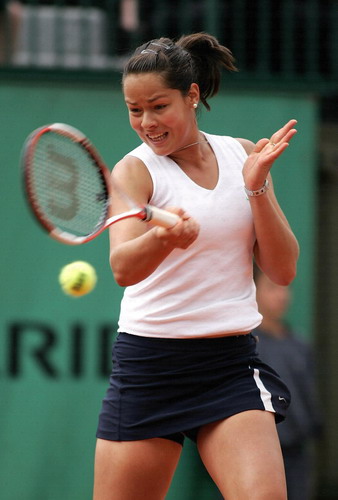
(9,21)
(292,358)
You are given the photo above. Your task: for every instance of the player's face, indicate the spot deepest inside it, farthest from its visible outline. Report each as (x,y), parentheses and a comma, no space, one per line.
(162,117)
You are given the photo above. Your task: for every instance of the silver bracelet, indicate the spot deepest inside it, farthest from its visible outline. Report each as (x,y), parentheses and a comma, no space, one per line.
(258,192)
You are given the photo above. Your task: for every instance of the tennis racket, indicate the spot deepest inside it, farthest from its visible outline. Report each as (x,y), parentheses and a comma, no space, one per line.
(69,188)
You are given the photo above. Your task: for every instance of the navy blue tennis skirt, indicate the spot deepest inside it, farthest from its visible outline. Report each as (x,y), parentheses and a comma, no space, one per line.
(171,387)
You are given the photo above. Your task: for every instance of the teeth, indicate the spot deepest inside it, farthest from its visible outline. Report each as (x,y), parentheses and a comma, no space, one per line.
(157,137)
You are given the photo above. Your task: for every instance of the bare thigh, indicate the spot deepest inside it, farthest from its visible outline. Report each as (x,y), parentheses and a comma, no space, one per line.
(243,456)
(134,469)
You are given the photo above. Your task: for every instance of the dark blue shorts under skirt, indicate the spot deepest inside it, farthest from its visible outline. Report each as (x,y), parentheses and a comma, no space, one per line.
(171,387)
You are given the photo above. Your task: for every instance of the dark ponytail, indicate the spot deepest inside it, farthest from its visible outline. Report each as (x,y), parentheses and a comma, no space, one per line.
(209,58)
(197,58)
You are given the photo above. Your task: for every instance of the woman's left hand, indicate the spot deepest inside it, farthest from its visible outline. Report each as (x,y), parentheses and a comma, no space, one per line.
(263,155)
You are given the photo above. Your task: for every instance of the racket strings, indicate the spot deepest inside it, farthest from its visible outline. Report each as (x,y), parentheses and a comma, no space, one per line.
(68,186)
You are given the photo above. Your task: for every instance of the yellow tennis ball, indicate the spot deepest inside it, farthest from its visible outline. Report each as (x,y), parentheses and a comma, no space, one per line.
(77,278)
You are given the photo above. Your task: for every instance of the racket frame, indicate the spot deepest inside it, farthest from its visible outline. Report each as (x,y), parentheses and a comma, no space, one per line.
(28,151)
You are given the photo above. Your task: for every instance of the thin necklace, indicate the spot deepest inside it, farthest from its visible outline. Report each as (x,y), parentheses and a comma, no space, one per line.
(189,145)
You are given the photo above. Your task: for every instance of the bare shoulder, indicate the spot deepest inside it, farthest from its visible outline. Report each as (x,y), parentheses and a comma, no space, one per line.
(127,167)
(247,145)
(133,177)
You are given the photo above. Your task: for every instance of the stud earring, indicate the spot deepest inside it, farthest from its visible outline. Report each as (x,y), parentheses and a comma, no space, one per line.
(195,105)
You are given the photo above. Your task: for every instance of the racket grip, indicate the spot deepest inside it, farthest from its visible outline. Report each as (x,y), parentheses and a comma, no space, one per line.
(160,217)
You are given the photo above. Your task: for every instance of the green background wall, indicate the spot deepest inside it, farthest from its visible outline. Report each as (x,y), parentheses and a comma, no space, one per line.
(54,350)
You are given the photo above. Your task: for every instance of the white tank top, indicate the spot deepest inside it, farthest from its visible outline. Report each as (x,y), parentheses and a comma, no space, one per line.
(207,289)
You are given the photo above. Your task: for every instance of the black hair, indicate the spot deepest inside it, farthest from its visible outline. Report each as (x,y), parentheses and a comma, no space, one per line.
(197,58)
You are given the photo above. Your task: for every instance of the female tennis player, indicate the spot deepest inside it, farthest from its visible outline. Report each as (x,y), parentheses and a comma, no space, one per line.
(184,362)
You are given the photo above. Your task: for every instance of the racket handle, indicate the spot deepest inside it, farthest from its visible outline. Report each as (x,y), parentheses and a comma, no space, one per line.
(160,217)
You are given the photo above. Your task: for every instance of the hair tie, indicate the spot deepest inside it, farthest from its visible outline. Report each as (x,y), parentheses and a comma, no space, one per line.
(161,45)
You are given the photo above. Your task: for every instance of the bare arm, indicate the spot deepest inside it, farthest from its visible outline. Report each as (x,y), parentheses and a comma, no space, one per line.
(136,248)
(276,249)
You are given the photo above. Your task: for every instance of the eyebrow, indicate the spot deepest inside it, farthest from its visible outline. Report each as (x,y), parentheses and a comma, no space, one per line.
(161,96)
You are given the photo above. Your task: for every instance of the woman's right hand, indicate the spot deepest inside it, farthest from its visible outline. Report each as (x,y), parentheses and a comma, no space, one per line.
(183,234)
